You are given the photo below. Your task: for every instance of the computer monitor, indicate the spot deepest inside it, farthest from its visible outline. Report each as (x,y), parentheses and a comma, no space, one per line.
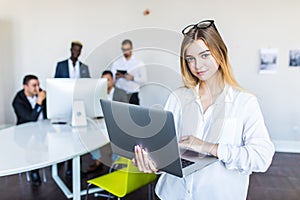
(62,92)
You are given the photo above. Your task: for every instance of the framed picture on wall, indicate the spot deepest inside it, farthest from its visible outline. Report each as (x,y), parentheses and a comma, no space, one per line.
(268,61)
(294,58)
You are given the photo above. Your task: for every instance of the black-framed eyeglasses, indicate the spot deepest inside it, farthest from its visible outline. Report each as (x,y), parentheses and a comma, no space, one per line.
(126,49)
(201,25)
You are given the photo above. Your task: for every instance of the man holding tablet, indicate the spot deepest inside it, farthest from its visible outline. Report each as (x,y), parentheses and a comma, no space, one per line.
(129,72)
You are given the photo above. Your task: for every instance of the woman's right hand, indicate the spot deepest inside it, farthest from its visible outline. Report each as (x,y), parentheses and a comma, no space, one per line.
(143,161)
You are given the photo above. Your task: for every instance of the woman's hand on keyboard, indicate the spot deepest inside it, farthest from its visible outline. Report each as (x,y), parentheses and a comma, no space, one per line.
(195,144)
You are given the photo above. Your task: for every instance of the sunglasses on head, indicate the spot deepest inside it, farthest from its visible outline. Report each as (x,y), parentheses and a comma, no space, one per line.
(201,25)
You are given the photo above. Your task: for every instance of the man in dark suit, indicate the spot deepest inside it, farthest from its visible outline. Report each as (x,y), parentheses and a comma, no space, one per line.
(72,67)
(30,105)
(115,94)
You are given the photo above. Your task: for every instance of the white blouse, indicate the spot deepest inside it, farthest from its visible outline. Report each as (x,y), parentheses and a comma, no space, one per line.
(236,123)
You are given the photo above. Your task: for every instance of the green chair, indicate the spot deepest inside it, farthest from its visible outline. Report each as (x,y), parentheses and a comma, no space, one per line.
(124,180)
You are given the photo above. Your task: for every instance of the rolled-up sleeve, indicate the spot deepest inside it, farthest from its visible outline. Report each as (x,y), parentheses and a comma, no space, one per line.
(256,152)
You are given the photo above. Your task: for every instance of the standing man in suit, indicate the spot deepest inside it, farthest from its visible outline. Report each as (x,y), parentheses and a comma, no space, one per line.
(72,67)
(30,105)
(129,72)
(114,94)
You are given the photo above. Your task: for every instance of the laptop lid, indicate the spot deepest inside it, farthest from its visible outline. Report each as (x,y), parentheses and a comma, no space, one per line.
(129,125)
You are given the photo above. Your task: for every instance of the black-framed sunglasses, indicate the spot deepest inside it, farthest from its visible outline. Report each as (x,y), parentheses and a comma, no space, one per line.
(201,25)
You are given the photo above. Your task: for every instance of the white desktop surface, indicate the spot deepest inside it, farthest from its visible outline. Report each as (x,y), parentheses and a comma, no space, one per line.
(39,144)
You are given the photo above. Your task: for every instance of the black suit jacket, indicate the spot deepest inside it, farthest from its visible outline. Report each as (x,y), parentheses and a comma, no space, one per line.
(24,111)
(62,70)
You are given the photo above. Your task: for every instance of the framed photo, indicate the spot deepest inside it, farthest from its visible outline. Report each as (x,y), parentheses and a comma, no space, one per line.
(268,61)
(294,58)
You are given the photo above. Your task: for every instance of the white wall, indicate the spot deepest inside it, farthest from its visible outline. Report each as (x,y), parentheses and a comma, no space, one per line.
(6,71)
(37,34)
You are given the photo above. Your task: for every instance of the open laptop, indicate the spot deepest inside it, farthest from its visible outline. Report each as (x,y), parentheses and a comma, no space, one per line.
(129,125)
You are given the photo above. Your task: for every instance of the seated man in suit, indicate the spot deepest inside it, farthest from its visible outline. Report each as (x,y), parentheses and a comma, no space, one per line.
(72,67)
(30,105)
(115,94)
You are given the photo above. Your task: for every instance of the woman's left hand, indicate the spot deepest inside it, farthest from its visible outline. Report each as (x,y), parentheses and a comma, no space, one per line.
(143,161)
(193,143)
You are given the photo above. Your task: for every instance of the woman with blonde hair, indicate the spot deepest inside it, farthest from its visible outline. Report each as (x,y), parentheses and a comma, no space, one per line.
(213,115)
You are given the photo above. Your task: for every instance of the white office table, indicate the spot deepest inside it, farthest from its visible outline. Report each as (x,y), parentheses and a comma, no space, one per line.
(39,144)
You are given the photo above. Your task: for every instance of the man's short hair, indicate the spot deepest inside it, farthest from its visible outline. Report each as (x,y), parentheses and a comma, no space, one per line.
(107,72)
(29,77)
(127,42)
(76,43)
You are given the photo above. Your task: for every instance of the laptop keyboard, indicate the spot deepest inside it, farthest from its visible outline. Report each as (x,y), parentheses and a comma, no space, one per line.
(185,163)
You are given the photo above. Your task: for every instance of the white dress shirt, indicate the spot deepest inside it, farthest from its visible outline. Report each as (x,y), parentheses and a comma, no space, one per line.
(236,123)
(133,66)
(74,71)
(32,101)
(111,94)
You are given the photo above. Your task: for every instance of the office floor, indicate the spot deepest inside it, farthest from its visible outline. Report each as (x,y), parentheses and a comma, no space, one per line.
(282,181)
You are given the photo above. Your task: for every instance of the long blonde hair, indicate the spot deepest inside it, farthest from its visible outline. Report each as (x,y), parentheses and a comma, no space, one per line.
(213,40)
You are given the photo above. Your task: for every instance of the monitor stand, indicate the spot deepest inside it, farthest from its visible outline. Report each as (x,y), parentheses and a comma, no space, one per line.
(78,114)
